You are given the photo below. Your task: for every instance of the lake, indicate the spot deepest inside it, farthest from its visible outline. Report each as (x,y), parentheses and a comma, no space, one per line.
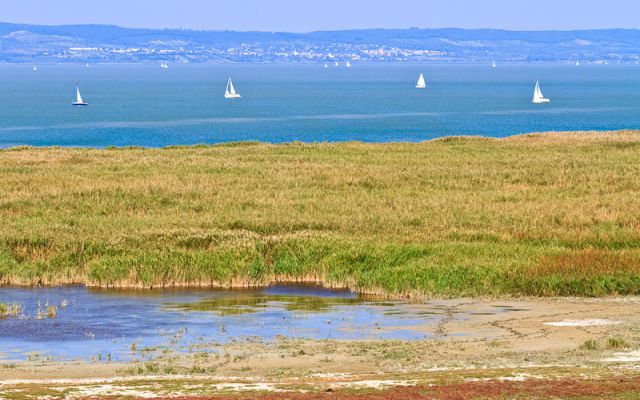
(144,105)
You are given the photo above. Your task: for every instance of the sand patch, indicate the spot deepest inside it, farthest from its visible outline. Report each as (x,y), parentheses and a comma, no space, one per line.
(515,378)
(375,384)
(245,387)
(583,322)
(109,390)
(630,356)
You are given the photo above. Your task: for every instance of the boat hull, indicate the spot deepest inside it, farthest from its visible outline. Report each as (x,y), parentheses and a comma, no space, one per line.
(232,96)
(541,101)
(79,104)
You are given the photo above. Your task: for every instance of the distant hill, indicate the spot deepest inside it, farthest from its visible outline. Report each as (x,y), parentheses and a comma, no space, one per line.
(106,43)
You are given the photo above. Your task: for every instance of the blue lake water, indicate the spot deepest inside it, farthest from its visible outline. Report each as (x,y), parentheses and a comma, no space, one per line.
(108,322)
(145,105)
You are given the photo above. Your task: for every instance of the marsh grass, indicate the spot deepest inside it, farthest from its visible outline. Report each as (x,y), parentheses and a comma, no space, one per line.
(590,345)
(51,311)
(544,215)
(617,343)
(11,310)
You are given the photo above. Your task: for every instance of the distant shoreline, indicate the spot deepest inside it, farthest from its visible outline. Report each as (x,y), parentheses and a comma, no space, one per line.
(589,135)
(91,43)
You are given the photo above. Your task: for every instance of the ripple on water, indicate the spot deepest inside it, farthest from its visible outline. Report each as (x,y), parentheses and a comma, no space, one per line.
(117,324)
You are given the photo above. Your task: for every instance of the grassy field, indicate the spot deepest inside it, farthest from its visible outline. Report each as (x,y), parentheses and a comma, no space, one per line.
(543,215)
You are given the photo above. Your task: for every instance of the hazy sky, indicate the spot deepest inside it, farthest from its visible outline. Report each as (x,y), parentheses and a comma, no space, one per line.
(309,15)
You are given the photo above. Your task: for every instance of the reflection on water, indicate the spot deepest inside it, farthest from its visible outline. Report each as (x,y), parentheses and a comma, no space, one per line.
(108,323)
(247,302)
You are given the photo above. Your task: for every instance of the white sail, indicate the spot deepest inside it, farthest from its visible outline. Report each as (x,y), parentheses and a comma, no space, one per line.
(326,65)
(421,83)
(494,64)
(79,100)
(230,91)
(577,63)
(35,68)
(335,63)
(348,64)
(538,98)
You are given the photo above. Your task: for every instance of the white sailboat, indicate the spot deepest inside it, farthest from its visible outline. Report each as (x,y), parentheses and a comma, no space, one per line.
(326,65)
(230,91)
(79,100)
(35,68)
(164,65)
(538,98)
(348,64)
(577,63)
(336,63)
(493,64)
(86,65)
(421,83)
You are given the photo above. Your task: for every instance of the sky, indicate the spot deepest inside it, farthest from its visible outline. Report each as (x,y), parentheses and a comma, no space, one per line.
(311,15)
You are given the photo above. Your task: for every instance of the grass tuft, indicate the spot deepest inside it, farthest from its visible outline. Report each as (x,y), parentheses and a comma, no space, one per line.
(590,345)
(617,343)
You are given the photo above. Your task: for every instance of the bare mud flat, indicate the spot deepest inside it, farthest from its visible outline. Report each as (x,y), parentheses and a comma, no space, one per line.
(558,348)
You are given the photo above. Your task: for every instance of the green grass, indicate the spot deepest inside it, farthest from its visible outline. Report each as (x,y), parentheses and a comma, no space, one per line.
(542,215)
(12,310)
(590,345)
(617,343)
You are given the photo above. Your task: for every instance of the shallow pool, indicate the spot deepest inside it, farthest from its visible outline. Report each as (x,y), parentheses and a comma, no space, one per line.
(108,324)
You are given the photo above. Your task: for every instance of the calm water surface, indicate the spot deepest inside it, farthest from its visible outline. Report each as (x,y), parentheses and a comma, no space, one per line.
(149,106)
(109,322)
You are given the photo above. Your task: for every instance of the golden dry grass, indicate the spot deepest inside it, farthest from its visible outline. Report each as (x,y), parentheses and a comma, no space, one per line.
(542,214)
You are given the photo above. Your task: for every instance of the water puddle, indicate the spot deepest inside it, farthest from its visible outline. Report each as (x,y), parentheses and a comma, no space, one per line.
(117,325)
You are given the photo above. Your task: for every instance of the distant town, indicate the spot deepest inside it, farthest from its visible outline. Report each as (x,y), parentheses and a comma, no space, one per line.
(100,43)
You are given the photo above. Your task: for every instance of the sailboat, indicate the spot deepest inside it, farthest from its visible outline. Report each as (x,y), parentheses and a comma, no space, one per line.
(336,63)
(86,65)
(493,65)
(326,65)
(230,91)
(538,98)
(35,68)
(348,64)
(164,65)
(79,101)
(421,83)
(577,63)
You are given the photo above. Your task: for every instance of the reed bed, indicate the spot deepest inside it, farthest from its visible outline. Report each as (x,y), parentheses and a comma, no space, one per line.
(10,310)
(553,214)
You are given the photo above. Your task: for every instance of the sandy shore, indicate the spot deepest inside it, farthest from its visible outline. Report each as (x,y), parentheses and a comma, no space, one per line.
(558,340)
